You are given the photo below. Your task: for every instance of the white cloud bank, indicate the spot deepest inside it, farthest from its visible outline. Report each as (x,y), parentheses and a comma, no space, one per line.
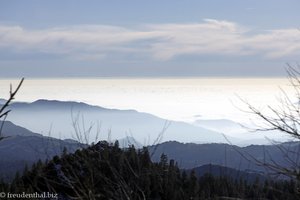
(157,41)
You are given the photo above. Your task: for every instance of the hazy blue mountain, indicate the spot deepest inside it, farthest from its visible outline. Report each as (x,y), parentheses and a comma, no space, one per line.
(221,125)
(2,101)
(10,129)
(244,132)
(22,147)
(128,141)
(44,116)
(192,155)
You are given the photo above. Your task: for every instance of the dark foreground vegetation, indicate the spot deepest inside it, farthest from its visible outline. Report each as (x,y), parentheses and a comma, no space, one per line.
(105,171)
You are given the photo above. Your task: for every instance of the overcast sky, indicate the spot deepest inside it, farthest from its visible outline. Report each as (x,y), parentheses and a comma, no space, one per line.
(139,38)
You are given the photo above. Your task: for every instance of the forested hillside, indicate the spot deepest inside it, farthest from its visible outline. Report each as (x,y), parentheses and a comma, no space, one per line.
(104,171)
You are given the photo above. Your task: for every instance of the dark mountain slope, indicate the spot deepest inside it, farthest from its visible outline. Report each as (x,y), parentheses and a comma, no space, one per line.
(104,171)
(221,171)
(22,147)
(10,129)
(192,155)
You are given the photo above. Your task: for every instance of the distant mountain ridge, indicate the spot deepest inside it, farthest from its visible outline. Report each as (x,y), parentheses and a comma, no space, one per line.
(235,174)
(247,133)
(57,117)
(25,147)
(220,125)
(191,155)
(55,104)
(9,129)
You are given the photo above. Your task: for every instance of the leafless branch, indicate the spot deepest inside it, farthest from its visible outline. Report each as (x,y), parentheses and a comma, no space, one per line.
(3,111)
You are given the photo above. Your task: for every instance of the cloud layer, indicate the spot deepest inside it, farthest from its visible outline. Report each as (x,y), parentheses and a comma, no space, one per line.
(157,41)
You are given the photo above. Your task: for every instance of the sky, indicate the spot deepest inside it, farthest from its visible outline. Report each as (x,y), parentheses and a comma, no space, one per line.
(139,38)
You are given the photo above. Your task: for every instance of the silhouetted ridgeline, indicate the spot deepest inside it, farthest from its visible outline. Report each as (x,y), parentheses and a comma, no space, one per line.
(25,147)
(106,171)
(190,155)
(22,147)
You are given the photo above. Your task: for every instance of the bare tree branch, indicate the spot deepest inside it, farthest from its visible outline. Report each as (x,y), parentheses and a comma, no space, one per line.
(3,111)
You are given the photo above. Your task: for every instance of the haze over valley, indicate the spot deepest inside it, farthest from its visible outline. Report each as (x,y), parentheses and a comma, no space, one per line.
(205,109)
